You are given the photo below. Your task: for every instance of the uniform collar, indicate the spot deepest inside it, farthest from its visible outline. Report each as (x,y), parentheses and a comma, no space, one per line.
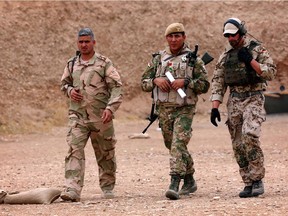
(91,61)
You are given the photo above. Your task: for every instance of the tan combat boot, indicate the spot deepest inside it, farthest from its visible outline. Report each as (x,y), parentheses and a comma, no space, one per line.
(70,195)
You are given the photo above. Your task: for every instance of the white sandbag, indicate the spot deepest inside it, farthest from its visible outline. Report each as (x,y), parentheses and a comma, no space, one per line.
(138,136)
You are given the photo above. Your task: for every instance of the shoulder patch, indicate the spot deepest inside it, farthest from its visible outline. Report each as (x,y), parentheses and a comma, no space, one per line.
(253,44)
(101,57)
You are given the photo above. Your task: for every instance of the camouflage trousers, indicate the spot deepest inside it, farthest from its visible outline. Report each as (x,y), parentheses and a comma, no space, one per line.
(103,142)
(245,116)
(175,123)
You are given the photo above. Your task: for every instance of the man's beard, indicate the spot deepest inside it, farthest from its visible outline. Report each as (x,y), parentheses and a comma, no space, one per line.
(234,44)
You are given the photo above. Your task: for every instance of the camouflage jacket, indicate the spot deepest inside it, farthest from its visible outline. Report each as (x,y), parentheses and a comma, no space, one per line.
(197,76)
(260,54)
(99,83)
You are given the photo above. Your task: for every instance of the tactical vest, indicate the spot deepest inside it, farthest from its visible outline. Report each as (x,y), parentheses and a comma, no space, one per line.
(236,73)
(180,69)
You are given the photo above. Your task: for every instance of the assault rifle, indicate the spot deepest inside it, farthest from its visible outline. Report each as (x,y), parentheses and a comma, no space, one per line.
(191,56)
(153,116)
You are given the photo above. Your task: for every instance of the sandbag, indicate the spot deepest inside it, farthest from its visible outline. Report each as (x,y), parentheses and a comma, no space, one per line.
(35,196)
(2,196)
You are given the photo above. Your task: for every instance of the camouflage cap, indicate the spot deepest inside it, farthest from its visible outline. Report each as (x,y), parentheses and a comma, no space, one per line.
(174,28)
(86,32)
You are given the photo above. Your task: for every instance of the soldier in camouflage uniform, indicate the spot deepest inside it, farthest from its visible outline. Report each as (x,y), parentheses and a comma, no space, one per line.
(176,113)
(93,86)
(244,67)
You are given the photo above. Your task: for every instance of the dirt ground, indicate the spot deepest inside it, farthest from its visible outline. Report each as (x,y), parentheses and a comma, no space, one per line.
(38,37)
(37,160)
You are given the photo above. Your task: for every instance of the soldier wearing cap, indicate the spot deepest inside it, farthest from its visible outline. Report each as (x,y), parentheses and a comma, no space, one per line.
(93,87)
(175,112)
(244,67)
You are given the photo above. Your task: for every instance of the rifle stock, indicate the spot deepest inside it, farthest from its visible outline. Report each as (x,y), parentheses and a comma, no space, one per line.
(206,58)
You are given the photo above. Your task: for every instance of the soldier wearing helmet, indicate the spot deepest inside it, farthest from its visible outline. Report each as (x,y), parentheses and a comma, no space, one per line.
(243,68)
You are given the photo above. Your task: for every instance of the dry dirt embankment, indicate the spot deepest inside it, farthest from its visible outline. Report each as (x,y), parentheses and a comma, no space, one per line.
(37,38)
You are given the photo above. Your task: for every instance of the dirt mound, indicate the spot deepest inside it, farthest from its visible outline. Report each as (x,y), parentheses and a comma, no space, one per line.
(37,38)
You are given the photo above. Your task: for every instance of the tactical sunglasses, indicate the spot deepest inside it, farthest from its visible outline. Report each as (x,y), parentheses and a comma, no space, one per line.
(230,35)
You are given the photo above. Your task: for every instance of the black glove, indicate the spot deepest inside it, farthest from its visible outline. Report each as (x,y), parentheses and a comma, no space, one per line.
(215,114)
(245,56)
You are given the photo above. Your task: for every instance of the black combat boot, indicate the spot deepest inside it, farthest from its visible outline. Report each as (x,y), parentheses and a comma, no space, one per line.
(247,192)
(189,185)
(172,192)
(257,188)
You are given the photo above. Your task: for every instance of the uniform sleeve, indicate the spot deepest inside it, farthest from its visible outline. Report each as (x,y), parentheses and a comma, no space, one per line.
(149,75)
(114,84)
(218,86)
(267,66)
(199,83)
(66,81)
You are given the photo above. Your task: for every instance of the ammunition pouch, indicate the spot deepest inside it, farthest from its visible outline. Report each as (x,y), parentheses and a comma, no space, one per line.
(236,73)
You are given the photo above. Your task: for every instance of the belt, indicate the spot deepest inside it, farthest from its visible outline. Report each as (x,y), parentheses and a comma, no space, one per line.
(245,94)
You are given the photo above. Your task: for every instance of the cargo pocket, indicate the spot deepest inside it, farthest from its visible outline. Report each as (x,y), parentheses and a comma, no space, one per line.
(72,123)
(108,143)
(108,146)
